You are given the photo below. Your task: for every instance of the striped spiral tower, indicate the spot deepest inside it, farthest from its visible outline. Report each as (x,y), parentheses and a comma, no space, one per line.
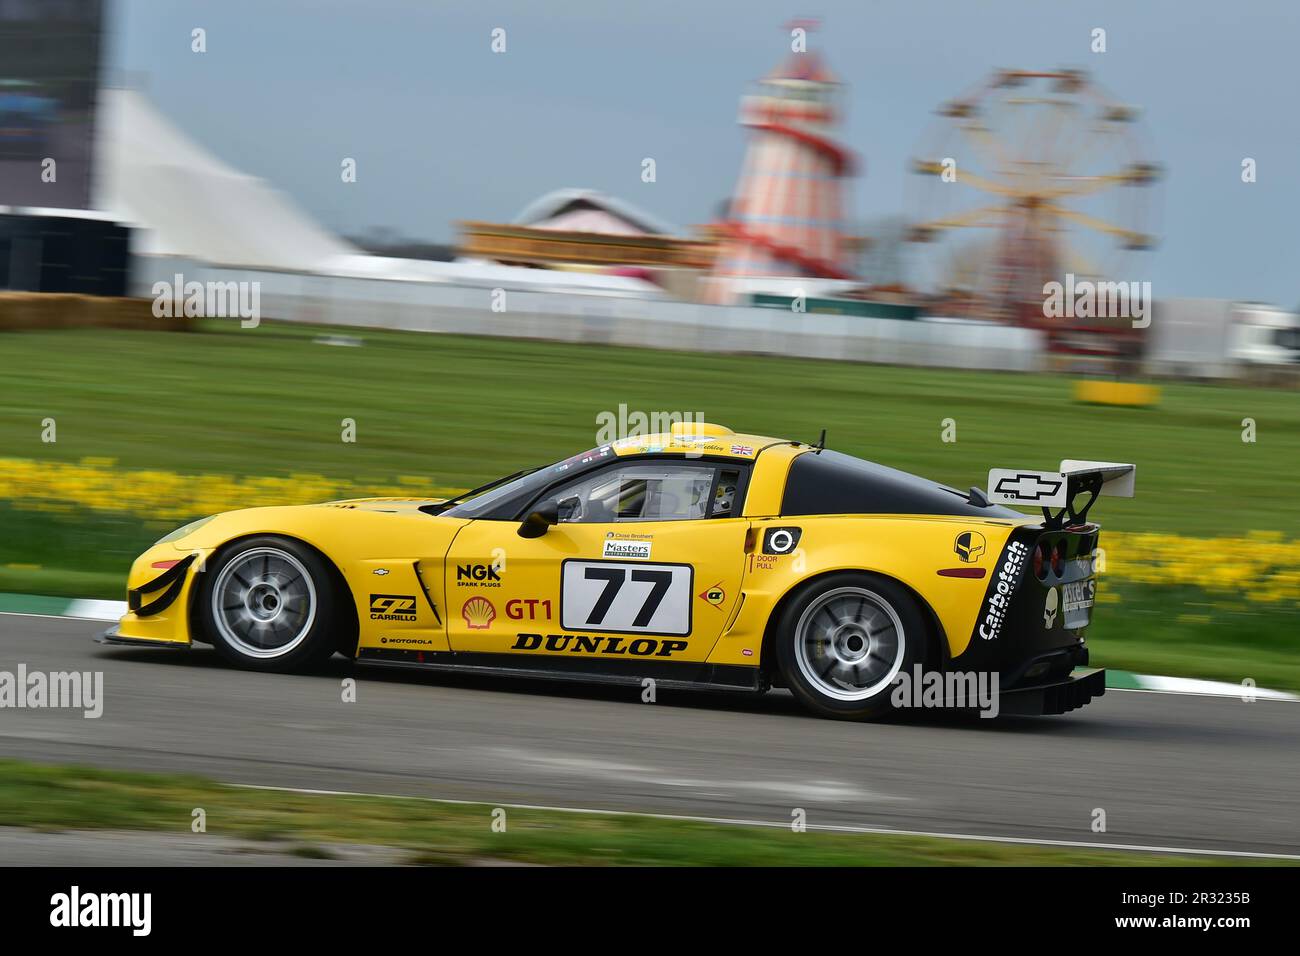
(786,218)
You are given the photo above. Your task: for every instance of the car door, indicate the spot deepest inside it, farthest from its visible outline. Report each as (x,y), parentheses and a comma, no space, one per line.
(645,563)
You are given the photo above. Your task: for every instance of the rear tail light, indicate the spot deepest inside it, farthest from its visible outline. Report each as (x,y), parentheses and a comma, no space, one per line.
(1058,558)
(1041,560)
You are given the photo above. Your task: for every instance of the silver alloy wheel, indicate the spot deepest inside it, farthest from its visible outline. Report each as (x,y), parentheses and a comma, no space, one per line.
(264,602)
(849,643)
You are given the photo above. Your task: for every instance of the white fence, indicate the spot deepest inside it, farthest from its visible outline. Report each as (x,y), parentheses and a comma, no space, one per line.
(611,318)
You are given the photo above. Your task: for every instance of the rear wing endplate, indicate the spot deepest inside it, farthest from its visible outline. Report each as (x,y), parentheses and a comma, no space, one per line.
(1060,489)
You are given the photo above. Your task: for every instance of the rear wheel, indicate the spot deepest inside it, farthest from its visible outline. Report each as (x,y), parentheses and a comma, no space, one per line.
(843,640)
(270,604)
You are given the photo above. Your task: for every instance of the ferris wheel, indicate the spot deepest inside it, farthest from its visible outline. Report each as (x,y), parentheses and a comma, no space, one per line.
(1031,176)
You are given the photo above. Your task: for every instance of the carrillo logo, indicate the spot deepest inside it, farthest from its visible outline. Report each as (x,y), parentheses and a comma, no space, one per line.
(75,909)
(392,607)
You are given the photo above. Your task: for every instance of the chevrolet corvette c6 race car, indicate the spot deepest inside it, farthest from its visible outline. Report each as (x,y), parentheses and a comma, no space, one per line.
(697,557)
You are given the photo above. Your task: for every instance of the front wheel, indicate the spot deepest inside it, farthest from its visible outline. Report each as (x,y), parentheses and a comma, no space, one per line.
(270,604)
(843,640)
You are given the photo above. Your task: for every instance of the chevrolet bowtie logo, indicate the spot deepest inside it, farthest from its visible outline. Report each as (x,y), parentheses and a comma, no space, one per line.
(1030,487)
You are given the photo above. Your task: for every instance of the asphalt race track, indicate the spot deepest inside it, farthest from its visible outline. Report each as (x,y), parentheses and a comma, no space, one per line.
(1169,770)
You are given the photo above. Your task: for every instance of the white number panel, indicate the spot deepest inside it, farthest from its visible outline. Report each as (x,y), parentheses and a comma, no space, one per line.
(627,598)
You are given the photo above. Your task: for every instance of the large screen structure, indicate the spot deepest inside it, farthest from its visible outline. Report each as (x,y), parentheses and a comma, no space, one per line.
(49,78)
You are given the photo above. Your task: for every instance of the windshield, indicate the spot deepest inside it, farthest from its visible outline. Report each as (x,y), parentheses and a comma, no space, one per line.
(507,498)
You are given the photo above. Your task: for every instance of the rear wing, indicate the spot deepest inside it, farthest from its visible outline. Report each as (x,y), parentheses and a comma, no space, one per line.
(1059,489)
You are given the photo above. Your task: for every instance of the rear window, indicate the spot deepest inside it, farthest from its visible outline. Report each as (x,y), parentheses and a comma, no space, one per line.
(831,483)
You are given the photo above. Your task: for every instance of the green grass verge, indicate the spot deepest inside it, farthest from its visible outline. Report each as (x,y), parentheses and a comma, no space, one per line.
(1187,632)
(81,555)
(461,410)
(61,798)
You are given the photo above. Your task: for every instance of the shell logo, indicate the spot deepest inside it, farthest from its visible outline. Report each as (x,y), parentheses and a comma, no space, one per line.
(478,613)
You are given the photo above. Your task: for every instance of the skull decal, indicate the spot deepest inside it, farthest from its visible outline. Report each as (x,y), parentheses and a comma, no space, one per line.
(969,546)
(1049,609)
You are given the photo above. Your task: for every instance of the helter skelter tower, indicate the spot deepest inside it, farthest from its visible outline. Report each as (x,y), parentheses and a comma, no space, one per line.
(786,218)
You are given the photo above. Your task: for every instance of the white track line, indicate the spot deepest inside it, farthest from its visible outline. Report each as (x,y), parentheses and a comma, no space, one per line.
(96,610)
(1207,688)
(50,617)
(829,828)
(1259,693)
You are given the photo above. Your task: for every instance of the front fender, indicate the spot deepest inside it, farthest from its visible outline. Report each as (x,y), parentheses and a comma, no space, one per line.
(159,589)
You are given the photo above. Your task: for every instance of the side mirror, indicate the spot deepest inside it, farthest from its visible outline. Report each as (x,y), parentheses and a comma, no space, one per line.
(535,525)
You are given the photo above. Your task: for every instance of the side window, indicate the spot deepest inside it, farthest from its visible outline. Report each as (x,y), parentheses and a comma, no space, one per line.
(649,491)
(726,502)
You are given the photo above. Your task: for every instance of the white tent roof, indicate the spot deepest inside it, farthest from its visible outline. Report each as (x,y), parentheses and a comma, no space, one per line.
(188,203)
(602,214)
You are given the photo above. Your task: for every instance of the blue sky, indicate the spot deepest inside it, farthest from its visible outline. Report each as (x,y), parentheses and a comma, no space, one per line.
(443,129)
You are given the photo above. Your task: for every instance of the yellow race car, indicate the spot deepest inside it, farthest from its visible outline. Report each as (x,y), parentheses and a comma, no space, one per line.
(695,557)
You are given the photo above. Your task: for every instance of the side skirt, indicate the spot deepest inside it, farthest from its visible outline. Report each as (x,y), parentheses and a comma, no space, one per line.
(112,637)
(684,676)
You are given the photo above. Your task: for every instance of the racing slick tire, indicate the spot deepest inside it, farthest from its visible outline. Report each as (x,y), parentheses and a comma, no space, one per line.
(271,604)
(842,640)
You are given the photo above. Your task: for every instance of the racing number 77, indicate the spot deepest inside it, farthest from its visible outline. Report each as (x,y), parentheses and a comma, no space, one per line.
(614,579)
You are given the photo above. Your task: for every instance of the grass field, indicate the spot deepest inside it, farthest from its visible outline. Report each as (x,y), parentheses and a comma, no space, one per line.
(64,798)
(460,410)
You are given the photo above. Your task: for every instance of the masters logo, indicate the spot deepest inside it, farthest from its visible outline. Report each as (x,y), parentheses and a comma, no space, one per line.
(624,548)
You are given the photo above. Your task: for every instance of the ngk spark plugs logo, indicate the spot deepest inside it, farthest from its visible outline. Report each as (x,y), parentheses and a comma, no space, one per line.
(998,603)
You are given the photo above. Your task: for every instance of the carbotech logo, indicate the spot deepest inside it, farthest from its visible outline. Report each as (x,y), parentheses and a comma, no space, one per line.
(582,644)
(998,603)
(392,607)
(477,576)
